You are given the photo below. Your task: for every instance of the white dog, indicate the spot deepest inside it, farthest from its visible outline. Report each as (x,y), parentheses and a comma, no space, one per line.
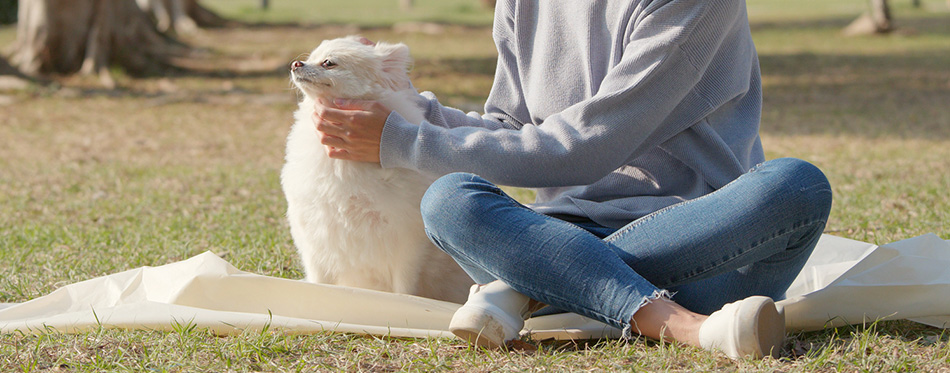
(357,224)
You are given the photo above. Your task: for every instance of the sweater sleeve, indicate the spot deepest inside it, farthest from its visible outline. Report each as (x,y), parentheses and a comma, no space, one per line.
(447,117)
(655,91)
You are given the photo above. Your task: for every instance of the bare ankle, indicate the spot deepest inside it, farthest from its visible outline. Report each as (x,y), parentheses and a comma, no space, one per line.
(667,320)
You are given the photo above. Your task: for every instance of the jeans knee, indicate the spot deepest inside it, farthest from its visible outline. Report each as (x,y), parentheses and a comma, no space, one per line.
(807,183)
(449,199)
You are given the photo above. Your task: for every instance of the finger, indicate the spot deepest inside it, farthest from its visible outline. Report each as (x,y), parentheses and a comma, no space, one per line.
(337,153)
(346,111)
(333,141)
(330,116)
(321,106)
(353,104)
(326,102)
(330,128)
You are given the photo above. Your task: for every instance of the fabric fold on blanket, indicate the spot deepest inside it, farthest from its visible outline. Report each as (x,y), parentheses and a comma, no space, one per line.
(851,282)
(844,282)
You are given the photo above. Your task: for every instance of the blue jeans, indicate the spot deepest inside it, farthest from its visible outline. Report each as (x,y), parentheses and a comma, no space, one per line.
(750,237)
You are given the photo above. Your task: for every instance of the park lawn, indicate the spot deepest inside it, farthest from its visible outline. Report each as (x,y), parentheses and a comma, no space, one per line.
(96,181)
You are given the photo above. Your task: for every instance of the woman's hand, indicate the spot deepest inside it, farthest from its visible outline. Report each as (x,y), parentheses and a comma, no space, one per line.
(350,129)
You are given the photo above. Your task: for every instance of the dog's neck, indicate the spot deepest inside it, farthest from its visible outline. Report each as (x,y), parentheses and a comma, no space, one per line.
(400,101)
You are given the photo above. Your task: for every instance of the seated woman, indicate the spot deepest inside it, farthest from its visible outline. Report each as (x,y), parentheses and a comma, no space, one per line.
(637,122)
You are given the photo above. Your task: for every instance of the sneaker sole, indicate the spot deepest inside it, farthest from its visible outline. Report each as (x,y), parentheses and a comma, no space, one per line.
(478,327)
(768,324)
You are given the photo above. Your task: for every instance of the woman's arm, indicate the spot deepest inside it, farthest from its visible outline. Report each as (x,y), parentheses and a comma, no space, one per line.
(661,86)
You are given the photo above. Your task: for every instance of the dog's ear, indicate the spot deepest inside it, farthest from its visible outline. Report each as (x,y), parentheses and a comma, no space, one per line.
(396,63)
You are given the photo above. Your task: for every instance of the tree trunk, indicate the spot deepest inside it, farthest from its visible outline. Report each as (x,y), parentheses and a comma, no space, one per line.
(180,16)
(405,5)
(877,21)
(881,14)
(87,36)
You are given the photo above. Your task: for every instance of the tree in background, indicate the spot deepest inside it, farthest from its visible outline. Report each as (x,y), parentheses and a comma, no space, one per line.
(89,36)
(877,21)
(180,16)
(8,9)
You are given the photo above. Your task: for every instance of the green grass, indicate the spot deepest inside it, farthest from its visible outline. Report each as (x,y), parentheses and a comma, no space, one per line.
(94,182)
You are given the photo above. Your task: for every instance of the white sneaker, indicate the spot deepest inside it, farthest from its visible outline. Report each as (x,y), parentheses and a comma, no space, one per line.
(749,327)
(493,315)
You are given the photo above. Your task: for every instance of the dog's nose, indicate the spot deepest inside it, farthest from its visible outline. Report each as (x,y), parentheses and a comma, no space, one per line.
(295,65)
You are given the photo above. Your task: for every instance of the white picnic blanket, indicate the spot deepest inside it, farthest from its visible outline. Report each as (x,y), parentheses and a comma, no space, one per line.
(844,281)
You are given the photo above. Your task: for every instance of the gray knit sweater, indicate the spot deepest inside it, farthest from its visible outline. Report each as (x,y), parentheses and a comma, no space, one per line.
(611,109)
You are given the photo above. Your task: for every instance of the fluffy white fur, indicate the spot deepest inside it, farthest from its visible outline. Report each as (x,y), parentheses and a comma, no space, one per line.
(357,224)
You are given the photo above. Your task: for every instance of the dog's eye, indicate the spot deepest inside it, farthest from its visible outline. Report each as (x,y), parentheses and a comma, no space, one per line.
(327,64)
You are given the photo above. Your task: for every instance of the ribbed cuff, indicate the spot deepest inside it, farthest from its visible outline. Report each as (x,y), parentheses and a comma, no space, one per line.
(396,142)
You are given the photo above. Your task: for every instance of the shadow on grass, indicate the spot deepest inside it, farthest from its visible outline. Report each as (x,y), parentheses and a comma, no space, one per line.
(452,72)
(902,94)
(794,24)
(915,22)
(893,85)
(484,67)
